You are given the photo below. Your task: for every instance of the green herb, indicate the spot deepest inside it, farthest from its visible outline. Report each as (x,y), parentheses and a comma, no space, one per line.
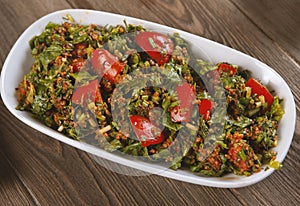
(49,54)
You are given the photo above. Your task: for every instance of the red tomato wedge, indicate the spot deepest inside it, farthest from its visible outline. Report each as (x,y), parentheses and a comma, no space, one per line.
(225,67)
(259,89)
(186,95)
(87,92)
(147,133)
(158,46)
(205,108)
(183,112)
(107,65)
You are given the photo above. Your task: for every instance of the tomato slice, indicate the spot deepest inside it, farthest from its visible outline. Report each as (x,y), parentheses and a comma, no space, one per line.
(107,65)
(183,112)
(259,89)
(147,133)
(89,92)
(228,68)
(205,108)
(158,46)
(186,95)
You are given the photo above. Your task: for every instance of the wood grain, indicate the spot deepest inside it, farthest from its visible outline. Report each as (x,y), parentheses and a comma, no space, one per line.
(12,189)
(37,170)
(270,17)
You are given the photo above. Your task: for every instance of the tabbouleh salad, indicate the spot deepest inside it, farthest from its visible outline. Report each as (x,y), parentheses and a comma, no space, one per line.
(64,90)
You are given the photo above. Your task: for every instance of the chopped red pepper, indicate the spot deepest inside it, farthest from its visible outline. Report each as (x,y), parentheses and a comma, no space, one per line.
(89,92)
(147,133)
(259,89)
(158,46)
(107,65)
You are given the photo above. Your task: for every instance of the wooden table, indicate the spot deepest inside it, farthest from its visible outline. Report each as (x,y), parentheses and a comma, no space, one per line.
(37,170)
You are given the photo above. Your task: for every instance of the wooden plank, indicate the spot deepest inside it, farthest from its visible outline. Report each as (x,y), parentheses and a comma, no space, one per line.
(54,172)
(16,16)
(271,17)
(12,190)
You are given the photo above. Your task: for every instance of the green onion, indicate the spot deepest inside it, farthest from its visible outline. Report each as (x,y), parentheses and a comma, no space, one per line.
(242,155)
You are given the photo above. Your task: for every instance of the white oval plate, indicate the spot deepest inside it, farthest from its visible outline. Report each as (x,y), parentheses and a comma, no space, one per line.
(19,60)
